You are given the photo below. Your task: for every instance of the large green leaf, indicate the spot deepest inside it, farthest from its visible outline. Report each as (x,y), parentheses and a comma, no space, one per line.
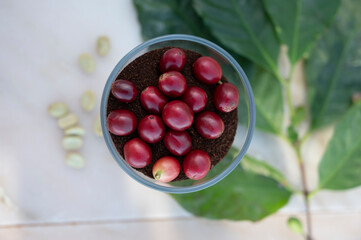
(299,23)
(243,195)
(160,17)
(268,100)
(340,167)
(333,71)
(242,26)
(262,168)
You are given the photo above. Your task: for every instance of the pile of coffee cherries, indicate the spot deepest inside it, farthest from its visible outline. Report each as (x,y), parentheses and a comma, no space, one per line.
(177,115)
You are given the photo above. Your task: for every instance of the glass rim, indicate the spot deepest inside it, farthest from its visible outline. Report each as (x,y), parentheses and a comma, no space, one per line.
(251,125)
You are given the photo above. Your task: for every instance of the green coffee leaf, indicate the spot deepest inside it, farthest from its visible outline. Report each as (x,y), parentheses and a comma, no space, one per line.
(292,134)
(159,17)
(299,23)
(340,167)
(242,195)
(242,26)
(295,225)
(262,168)
(356,97)
(334,68)
(268,99)
(299,116)
(251,164)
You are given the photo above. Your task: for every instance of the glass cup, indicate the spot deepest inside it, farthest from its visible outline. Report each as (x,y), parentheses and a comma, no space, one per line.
(246,111)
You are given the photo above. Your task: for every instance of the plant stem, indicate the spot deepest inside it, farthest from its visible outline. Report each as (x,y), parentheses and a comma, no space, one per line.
(305,193)
(297,147)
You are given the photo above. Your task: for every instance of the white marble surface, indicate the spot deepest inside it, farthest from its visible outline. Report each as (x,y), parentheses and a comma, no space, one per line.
(40,44)
(272,228)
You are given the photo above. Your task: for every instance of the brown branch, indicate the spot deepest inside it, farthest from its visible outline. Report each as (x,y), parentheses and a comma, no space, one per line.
(305,193)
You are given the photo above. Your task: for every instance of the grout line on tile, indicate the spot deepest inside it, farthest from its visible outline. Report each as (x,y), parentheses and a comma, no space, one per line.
(142,220)
(90,222)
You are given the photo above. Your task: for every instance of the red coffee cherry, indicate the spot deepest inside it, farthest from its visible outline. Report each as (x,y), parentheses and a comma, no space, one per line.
(173,59)
(207,70)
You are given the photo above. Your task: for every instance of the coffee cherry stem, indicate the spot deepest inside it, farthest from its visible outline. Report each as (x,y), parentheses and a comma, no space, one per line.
(157,175)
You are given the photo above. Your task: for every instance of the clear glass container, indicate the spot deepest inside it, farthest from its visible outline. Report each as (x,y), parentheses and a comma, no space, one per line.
(246,111)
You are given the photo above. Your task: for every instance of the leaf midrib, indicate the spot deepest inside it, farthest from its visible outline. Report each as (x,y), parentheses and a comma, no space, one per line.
(274,174)
(296,32)
(264,53)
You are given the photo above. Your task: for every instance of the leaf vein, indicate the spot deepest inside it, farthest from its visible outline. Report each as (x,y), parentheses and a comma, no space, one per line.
(260,108)
(341,163)
(332,85)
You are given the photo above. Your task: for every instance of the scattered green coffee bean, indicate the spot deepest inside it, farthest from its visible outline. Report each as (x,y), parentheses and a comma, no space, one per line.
(77,131)
(67,121)
(103,45)
(87,63)
(87,100)
(58,109)
(72,142)
(98,127)
(75,160)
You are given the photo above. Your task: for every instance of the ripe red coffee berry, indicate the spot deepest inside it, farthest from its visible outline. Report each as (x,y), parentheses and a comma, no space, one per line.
(173,59)
(124,91)
(196,98)
(177,115)
(153,100)
(178,143)
(207,70)
(166,169)
(121,122)
(226,97)
(172,84)
(209,125)
(151,129)
(137,153)
(196,164)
